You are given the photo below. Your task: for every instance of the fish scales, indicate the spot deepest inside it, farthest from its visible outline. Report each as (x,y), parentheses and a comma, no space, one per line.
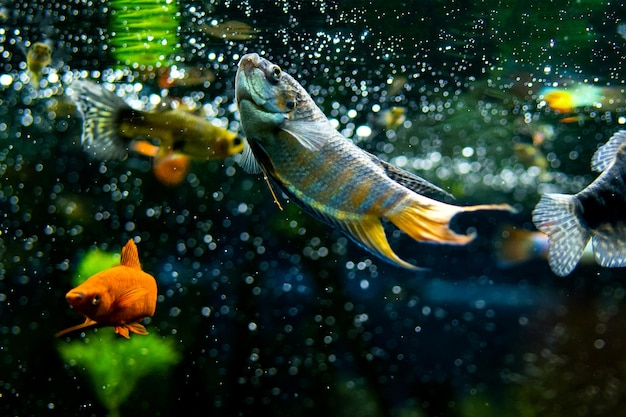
(295,145)
(338,180)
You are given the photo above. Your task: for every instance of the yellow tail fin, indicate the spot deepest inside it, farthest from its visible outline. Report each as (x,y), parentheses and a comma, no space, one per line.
(425,219)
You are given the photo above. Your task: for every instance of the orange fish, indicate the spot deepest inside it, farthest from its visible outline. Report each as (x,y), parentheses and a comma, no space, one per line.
(121,296)
(168,166)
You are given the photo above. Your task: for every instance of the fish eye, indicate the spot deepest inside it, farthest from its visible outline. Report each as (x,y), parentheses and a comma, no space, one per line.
(276,72)
(290,105)
(95,300)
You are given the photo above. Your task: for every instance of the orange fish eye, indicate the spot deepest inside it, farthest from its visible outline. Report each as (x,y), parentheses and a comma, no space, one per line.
(95,300)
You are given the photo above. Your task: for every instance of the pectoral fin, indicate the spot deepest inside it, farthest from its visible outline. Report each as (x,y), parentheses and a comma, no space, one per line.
(310,135)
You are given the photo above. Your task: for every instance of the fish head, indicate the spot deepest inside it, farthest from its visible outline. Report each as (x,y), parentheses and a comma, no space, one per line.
(265,94)
(92,301)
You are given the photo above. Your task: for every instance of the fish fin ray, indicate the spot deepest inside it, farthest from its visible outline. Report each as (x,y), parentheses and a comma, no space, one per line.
(130,255)
(605,155)
(428,220)
(609,249)
(136,328)
(99,109)
(312,136)
(370,234)
(122,331)
(556,215)
(247,160)
(87,323)
(410,180)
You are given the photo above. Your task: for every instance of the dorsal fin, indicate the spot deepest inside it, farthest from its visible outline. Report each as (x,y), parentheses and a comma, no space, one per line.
(605,155)
(130,256)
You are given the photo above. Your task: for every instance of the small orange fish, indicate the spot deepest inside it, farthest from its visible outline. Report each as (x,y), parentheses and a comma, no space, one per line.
(168,166)
(121,296)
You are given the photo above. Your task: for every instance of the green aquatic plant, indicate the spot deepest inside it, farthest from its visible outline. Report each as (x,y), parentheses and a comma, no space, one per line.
(144,33)
(94,261)
(115,366)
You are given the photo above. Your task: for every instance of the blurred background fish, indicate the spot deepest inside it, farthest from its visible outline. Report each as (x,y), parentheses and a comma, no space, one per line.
(38,57)
(111,128)
(120,296)
(231,29)
(514,246)
(597,212)
(577,97)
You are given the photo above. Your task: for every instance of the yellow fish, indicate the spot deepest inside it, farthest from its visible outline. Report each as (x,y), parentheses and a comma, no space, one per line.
(295,145)
(110,126)
(38,57)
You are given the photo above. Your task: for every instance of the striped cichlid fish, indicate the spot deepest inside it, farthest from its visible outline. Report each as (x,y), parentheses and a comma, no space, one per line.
(292,142)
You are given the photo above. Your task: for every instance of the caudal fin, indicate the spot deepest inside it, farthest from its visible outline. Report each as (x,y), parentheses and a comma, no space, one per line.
(428,220)
(100,109)
(556,216)
(609,248)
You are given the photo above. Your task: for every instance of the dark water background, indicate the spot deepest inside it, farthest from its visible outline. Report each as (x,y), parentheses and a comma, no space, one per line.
(272,311)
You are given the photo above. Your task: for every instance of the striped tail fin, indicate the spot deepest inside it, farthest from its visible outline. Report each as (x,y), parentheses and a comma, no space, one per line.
(556,216)
(100,109)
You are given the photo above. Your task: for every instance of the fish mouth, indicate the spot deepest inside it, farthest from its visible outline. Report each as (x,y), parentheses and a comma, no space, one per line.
(249,61)
(245,87)
(74,297)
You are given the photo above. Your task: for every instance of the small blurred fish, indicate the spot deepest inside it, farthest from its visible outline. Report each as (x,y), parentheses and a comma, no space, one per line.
(169,167)
(530,155)
(38,57)
(515,246)
(391,118)
(293,143)
(598,212)
(232,29)
(570,99)
(174,76)
(111,127)
(621,30)
(120,296)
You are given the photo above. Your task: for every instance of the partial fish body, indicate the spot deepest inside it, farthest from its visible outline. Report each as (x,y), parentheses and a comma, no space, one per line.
(111,128)
(121,296)
(598,212)
(295,145)
(516,246)
(38,57)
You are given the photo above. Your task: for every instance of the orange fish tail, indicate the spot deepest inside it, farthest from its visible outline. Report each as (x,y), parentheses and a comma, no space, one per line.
(428,220)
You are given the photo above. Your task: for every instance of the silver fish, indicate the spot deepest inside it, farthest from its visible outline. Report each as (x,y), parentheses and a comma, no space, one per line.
(293,143)
(598,212)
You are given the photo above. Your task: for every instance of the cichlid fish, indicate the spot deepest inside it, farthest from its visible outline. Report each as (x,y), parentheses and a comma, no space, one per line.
(598,212)
(111,127)
(292,142)
(121,296)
